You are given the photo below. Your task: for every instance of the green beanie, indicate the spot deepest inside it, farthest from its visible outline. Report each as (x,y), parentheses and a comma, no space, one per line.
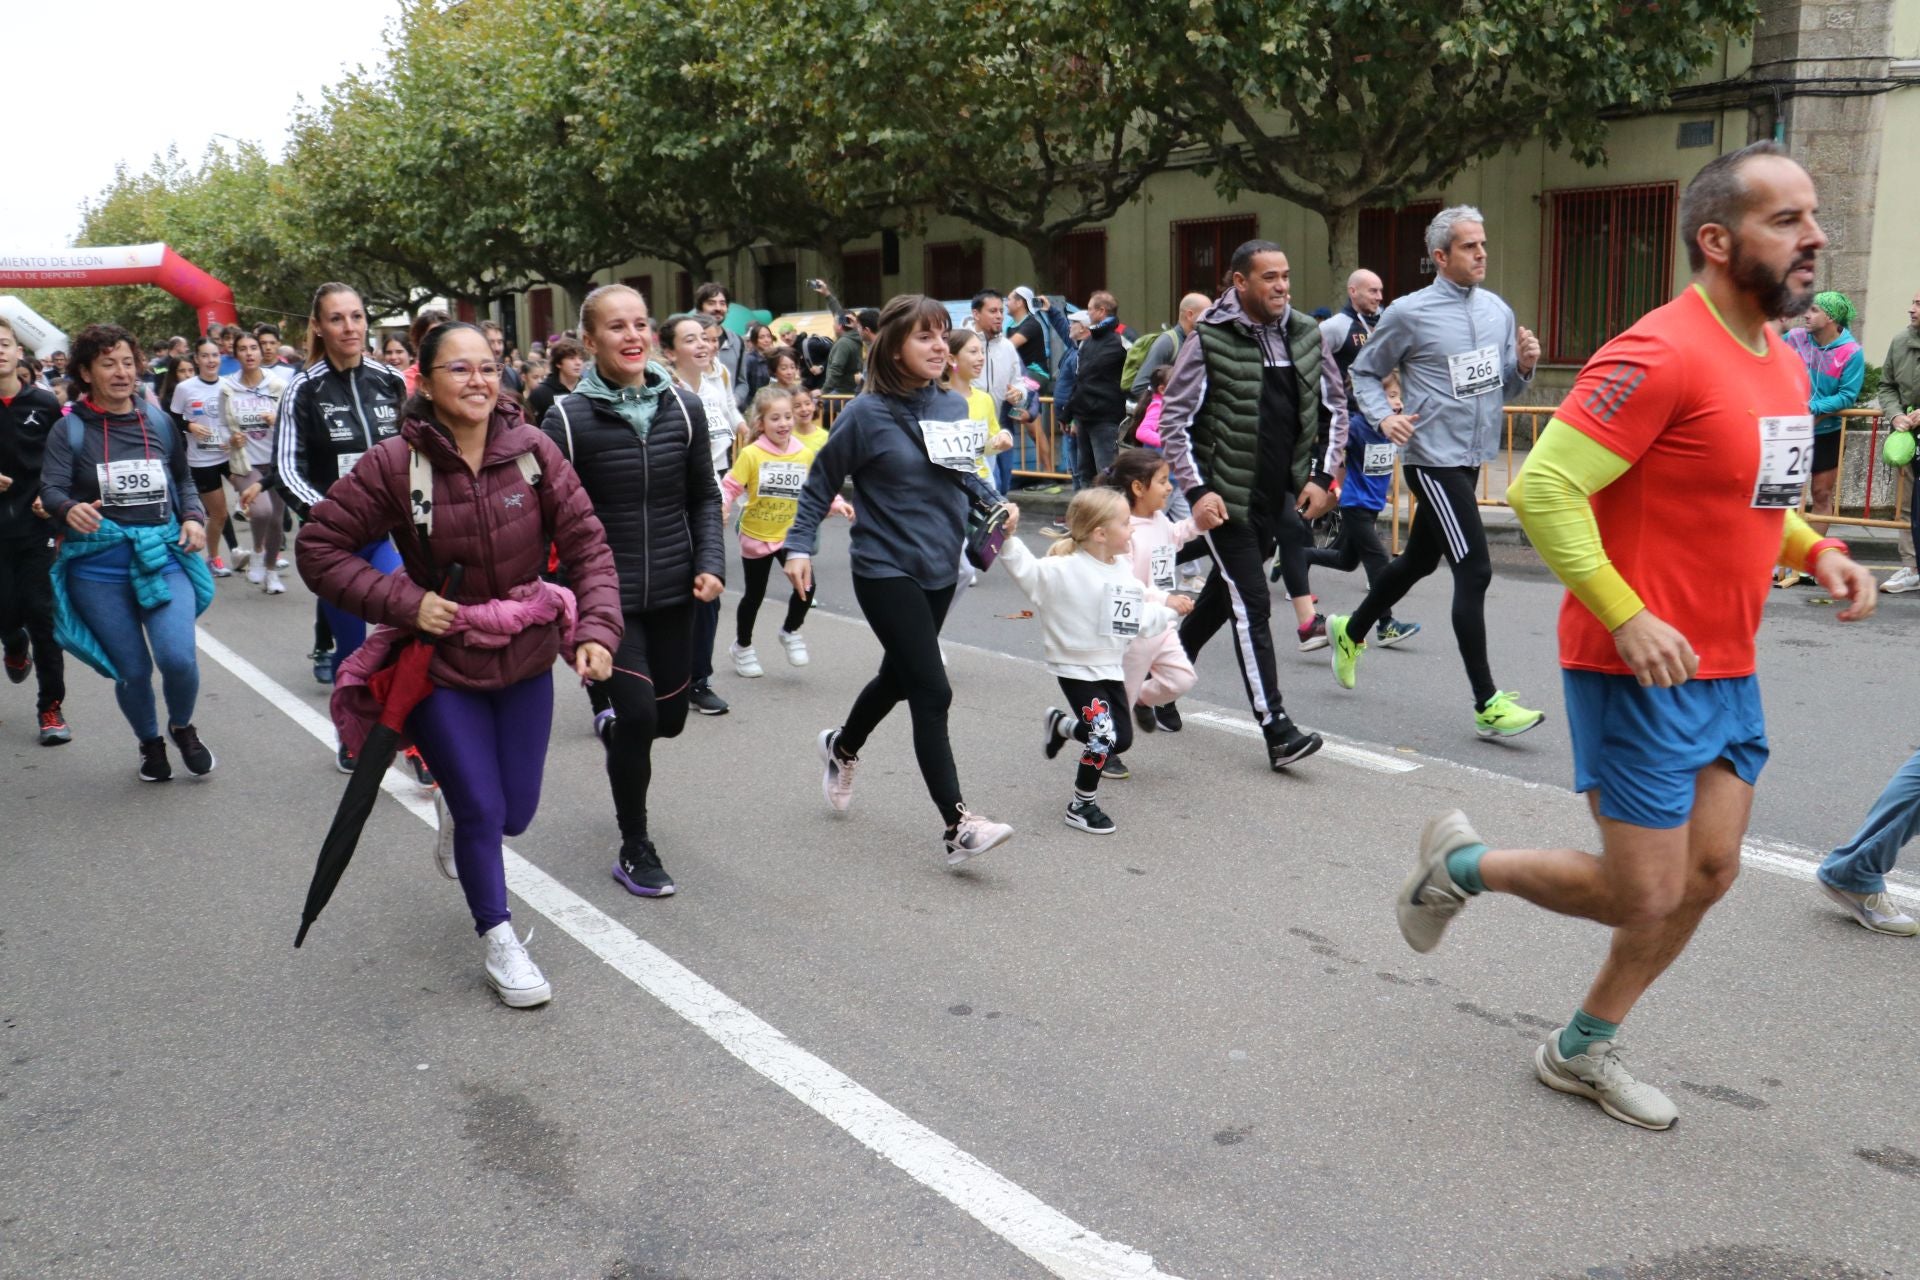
(1837,305)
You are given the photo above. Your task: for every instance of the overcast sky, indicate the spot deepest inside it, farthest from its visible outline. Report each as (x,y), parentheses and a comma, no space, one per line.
(101,84)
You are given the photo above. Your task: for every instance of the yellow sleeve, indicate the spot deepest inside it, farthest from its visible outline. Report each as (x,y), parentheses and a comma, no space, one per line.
(746,469)
(1553,496)
(1795,541)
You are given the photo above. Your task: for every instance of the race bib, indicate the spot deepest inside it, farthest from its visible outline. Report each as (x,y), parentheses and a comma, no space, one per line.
(136,482)
(1125,604)
(954,445)
(1378,460)
(1474,373)
(345,461)
(1786,460)
(1160,567)
(782,479)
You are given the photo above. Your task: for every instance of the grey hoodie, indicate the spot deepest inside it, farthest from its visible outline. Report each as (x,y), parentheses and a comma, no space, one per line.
(1420,335)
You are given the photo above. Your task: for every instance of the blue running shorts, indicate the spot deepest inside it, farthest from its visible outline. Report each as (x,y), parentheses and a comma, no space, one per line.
(1643,748)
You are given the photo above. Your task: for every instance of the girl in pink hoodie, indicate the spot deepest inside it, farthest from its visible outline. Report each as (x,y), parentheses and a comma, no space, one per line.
(1156,667)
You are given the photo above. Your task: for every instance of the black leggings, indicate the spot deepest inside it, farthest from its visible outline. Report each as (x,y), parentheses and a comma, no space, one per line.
(906,619)
(1358,545)
(652,672)
(1446,522)
(1100,724)
(26,606)
(756,570)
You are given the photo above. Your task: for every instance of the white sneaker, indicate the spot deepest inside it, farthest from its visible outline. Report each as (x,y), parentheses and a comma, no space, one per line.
(241,560)
(282,563)
(796,647)
(1597,1074)
(1901,582)
(511,972)
(275,587)
(1873,911)
(838,780)
(1429,900)
(975,834)
(257,574)
(443,838)
(746,662)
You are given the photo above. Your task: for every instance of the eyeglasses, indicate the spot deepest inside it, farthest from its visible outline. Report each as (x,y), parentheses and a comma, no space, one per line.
(465,371)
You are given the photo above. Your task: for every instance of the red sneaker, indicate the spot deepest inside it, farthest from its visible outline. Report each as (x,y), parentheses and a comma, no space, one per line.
(53,727)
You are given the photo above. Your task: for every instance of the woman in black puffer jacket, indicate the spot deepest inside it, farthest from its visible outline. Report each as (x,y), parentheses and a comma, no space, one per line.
(631,436)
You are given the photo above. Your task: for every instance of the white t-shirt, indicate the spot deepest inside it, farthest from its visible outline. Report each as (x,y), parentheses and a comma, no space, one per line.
(252,411)
(723,416)
(197,401)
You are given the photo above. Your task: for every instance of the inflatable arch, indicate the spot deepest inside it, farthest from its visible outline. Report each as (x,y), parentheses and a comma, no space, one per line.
(33,330)
(123,264)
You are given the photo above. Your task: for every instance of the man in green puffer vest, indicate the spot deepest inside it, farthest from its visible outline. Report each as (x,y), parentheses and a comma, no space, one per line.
(1255,428)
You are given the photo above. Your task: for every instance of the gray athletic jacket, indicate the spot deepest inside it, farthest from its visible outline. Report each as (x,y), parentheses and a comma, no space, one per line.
(1420,335)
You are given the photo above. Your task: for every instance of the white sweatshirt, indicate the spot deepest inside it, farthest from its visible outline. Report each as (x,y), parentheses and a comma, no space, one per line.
(1156,542)
(1089,612)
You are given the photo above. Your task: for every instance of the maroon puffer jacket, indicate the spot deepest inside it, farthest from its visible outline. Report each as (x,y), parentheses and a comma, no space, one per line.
(491,524)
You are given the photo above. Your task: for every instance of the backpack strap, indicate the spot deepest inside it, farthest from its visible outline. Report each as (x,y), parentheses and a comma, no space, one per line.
(560,403)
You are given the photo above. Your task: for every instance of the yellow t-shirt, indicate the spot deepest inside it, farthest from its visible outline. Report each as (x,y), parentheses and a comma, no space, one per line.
(980,407)
(772,482)
(815,440)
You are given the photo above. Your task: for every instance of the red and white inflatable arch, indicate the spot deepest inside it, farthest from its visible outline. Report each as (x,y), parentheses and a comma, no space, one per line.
(123,264)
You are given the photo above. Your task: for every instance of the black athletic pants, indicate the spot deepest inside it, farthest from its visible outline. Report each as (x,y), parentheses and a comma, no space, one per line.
(906,619)
(1446,522)
(706,627)
(1358,546)
(26,605)
(652,672)
(1237,591)
(1101,724)
(756,570)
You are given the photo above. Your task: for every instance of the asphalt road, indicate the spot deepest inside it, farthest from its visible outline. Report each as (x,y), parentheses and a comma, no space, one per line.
(1202,1039)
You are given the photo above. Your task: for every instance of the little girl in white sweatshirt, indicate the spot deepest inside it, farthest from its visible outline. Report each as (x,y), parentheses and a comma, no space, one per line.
(1090,608)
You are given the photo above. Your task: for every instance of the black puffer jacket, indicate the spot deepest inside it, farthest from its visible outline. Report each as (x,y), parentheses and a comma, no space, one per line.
(658,499)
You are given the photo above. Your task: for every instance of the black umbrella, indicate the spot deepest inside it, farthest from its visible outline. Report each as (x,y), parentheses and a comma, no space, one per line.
(408,687)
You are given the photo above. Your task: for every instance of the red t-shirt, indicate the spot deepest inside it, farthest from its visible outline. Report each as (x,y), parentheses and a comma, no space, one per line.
(1683,400)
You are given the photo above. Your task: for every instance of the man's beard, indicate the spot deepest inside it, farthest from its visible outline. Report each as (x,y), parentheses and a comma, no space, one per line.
(1777,299)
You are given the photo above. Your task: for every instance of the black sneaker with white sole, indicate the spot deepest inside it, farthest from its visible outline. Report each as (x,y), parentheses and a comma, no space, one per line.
(1086,815)
(153,760)
(708,703)
(1168,714)
(193,752)
(1286,744)
(1144,717)
(1058,727)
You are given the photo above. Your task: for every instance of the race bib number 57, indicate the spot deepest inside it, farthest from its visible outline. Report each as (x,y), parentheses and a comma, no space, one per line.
(1786,460)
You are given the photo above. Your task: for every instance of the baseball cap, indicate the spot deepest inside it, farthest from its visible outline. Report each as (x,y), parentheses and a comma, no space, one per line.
(1080,317)
(1025,295)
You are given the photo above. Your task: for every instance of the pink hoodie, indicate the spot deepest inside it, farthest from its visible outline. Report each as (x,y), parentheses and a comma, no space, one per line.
(1156,539)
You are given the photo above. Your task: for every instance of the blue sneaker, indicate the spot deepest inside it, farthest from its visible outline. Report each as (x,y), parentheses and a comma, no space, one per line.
(322,660)
(1392,633)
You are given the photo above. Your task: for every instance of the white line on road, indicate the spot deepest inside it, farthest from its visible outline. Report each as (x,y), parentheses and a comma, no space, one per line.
(1030,1225)
(1335,748)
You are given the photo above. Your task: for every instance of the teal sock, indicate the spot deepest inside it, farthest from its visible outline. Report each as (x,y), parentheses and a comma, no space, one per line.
(1583,1031)
(1463,867)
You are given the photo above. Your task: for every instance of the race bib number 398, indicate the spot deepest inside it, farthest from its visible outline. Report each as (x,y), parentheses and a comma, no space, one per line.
(1786,460)
(136,482)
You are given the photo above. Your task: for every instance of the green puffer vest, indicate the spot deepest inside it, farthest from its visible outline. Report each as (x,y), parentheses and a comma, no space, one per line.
(1226,430)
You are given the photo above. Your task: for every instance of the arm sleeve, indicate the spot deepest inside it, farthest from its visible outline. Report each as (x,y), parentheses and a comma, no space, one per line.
(703,495)
(1380,357)
(1515,381)
(1796,540)
(1330,450)
(1186,391)
(582,541)
(189,505)
(1553,496)
(56,473)
(290,452)
(1023,567)
(1851,380)
(838,458)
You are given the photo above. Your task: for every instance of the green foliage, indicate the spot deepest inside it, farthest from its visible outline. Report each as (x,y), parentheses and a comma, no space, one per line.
(1869,388)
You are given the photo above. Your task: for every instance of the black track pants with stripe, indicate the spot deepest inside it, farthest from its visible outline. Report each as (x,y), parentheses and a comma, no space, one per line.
(1236,596)
(1446,522)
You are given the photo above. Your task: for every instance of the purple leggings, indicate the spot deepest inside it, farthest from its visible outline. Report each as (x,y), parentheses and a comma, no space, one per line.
(488,752)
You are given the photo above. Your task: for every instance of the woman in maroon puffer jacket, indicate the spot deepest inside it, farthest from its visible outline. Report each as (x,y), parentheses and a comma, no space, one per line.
(484,728)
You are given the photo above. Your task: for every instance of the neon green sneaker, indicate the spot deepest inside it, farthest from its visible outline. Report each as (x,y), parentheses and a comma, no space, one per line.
(1346,654)
(1505,717)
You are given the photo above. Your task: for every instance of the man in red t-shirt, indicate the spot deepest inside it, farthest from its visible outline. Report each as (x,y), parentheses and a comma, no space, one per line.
(1662,494)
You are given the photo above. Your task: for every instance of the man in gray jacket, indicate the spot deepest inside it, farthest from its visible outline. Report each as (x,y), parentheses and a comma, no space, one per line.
(1460,356)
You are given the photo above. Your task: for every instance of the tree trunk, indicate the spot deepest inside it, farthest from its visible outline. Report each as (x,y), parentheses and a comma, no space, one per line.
(1343,243)
(1044,249)
(833,269)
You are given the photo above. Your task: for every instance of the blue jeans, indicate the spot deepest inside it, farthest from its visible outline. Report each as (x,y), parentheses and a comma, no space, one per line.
(350,629)
(1861,864)
(127,633)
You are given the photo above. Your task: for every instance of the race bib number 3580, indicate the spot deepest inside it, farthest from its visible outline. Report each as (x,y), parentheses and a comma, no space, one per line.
(1786,460)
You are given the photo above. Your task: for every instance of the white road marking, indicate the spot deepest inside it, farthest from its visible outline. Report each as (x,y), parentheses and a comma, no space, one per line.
(1035,1228)
(1335,749)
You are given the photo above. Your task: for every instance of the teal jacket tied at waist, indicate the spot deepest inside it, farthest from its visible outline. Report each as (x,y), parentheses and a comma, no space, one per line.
(155,548)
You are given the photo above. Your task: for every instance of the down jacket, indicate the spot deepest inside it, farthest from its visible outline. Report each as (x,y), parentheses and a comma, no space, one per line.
(656,497)
(492,524)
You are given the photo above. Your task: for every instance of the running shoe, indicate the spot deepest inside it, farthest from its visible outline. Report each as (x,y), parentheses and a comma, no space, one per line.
(242,560)
(1286,744)
(1902,582)
(53,727)
(1056,726)
(18,662)
(1504,717)
(443,860)
(1873,911)
(1314,634)
(706,701)
(511,972)
(1391,633)
(1115,768)
(639,871)
(796,646)
(746,663)
(1597,1074)
(1429,900)
(1168,714)
(1346,652)
(153,760)
(417,764)
(837,781)
(257,574)
(1087,816)
(1144,717)
(275,587)
(282,563)
(193,752)
(1789,578)
(343,759)
(219,568)
(1053,529)
(973,835)
(322,660)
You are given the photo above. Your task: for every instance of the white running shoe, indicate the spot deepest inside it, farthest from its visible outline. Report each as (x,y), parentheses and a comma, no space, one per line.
(1901,582)
(240,561)
(746,663)
(1597,1074)
(838,780)
(257,574)
(1429,900)
(1873,911)
(796,647)
(275,587)
(443,838)
(511,972)
(974,835)
(282,563)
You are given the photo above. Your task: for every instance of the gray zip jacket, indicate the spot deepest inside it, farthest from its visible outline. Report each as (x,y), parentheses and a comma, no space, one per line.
(1419,335)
